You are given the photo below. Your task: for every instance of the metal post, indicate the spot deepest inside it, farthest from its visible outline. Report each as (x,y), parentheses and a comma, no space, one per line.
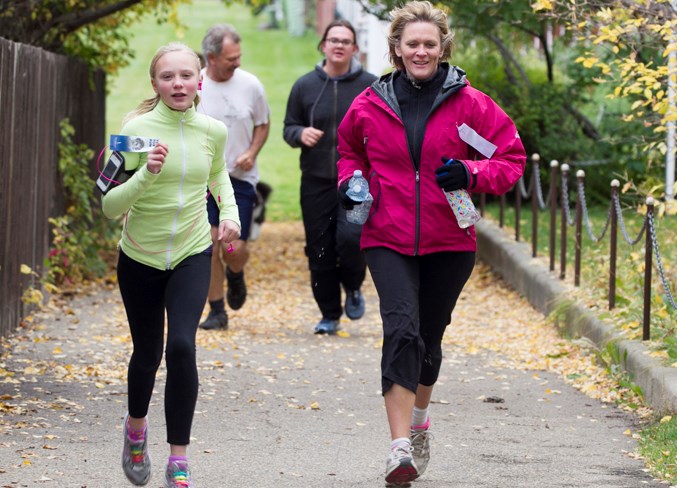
(613,238)
(646,326)
(580,176)
(553,211)
(563,227)
(534,205)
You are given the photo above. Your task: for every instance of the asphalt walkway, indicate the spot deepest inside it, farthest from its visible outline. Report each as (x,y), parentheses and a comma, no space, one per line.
(280,407)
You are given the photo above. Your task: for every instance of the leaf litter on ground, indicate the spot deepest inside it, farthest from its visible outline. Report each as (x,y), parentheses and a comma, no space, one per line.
(51,347)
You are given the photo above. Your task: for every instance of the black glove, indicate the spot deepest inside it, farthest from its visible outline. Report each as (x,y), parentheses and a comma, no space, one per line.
(346,202)
(452,176)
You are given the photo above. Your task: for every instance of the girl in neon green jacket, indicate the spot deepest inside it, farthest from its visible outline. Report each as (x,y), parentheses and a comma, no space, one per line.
(165,252)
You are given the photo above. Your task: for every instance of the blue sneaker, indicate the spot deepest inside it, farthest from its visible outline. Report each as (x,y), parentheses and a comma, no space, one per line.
(354,304)
(327,326)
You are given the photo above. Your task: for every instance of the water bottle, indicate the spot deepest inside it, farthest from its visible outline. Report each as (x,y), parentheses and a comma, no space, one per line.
(462,206)
(358,190)
(464,210)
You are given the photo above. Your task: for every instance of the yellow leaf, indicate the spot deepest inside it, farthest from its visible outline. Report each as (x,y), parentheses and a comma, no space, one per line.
(665,419)
(51,288)
(25,269)
(57,350)
(315,406)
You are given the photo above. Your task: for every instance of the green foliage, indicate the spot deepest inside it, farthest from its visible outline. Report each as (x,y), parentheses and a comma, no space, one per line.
(89,30)
(658,446)
(73,255)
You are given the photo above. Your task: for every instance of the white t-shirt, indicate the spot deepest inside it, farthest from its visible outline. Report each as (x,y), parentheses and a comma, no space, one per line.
(241,104)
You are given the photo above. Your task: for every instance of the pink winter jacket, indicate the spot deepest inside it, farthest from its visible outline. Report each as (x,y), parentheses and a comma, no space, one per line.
(410,213)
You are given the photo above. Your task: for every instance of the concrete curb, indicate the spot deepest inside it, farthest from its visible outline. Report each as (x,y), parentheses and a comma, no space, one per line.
(530,277)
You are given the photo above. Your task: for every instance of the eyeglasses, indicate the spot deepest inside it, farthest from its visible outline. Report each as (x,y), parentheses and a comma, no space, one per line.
(344,42)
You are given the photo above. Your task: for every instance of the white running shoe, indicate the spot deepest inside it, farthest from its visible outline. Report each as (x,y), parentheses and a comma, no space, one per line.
(420,445)
(400,467)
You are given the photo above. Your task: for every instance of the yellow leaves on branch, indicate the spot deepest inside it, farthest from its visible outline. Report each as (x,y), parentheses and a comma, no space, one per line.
(540,5)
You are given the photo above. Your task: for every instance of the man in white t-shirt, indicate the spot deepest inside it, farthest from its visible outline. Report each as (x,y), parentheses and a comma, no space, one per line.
(238,99)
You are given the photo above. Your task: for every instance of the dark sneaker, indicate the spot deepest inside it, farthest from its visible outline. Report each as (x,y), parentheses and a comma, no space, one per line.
(400,467)
(420,445)
(215,320)
(237,289)
(354,304)
(177,475)
(135,458)
(326,326)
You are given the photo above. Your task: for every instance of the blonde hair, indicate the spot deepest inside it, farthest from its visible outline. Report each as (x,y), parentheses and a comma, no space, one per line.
(418,11)
(150,103)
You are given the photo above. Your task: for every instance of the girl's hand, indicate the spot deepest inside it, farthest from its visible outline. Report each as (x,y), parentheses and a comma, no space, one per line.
(156,158)
(228,231)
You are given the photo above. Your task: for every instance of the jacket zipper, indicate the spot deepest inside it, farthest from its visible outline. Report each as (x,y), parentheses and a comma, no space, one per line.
(168,261)
(417,218)
(334,132)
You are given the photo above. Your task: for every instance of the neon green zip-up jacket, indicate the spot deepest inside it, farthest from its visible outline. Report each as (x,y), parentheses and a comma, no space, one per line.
(166,217)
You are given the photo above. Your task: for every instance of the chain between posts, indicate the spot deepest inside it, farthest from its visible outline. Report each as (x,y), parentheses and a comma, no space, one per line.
(659,262)
(614,221)
(586,218)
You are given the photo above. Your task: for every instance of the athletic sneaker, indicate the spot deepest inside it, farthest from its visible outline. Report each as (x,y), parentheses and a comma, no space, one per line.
(237,289)
(135,458)
(327,326)
(215,320)
(420,445)
(177,475)
(354,304)
(401,468)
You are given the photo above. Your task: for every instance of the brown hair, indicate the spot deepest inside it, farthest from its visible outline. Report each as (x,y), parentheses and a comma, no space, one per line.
(418,11)
(337,23)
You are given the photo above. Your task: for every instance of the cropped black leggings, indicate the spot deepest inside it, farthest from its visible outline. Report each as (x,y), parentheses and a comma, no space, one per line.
(417,295)
(147,292)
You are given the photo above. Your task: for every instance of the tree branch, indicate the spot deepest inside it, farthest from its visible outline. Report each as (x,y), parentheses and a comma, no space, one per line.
(72,21)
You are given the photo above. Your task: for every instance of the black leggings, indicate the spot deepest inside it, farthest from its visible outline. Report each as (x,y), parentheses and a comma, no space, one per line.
(147,292)
(417,295)
(332,245)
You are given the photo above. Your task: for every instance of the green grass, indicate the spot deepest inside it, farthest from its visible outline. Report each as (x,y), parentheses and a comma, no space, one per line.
(276,58)
(658,446)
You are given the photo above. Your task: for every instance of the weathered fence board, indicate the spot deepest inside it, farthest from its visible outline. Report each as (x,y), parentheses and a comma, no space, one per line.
(38,89)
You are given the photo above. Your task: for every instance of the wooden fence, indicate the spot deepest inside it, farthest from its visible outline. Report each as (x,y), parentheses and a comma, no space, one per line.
(38,89)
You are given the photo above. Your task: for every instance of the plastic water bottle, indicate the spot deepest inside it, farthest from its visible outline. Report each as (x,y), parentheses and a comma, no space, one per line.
(358,190)
(462,206)
(464,210)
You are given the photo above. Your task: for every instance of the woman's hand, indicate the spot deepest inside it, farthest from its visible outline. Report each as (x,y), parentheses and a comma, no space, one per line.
(310,136)
(156,158)
(228,231)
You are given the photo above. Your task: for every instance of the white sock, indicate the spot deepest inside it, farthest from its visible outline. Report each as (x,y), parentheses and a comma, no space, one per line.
(400,442)
(419,416)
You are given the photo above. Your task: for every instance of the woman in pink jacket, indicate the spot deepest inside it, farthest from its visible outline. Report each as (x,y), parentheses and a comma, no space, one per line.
(400,132)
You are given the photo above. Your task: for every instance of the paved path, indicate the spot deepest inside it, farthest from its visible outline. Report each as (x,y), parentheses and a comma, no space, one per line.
(280,407)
